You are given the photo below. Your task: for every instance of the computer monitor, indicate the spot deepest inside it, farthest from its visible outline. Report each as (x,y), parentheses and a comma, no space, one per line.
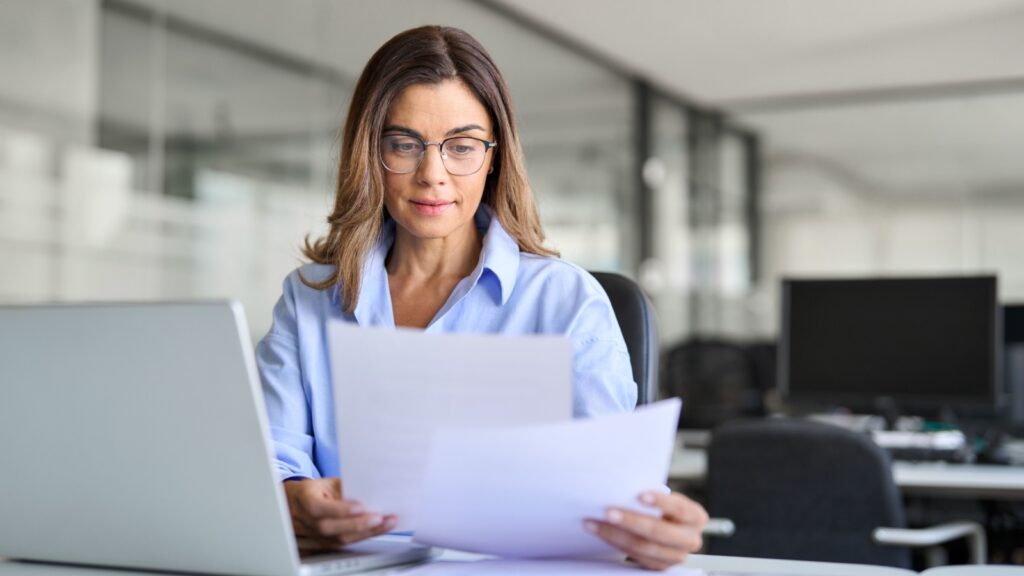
(1013,337)
(921,344)
(1013,323)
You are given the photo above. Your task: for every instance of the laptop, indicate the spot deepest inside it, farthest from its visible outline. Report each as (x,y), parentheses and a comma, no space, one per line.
(135,436)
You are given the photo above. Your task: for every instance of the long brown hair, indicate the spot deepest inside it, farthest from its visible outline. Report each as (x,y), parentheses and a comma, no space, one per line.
(425,55)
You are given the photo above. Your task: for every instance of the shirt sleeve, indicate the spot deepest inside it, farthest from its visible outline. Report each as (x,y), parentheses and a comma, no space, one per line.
(284,393)
(603,376)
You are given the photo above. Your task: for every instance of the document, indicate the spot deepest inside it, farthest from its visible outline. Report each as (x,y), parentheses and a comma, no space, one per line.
(393,388)
(524,491)
(538,568)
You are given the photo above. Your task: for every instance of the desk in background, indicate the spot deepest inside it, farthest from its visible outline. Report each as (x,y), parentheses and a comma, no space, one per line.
(976,481)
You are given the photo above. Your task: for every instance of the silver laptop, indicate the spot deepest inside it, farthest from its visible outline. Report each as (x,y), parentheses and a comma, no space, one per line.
(134,435)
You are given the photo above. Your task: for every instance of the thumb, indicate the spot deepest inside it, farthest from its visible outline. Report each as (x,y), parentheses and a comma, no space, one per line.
(334,484)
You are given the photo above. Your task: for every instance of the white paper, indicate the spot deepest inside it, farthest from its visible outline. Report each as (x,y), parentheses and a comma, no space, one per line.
(525,491)
(538,568)
(392,388)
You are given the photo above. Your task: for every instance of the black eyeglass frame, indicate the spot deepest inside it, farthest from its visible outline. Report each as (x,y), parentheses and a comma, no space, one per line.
(440,148)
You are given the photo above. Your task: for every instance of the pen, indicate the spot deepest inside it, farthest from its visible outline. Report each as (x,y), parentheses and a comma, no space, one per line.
(719,527)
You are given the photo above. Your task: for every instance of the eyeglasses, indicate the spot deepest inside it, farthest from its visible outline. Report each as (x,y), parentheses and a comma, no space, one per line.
(461,155)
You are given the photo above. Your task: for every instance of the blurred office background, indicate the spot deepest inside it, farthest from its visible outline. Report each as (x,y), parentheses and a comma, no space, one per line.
(183,149)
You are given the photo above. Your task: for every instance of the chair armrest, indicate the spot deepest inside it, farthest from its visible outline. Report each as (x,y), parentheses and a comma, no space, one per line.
(719,528)
(935,535)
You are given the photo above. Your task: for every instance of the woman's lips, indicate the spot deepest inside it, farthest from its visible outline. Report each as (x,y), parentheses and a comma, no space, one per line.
(431,207)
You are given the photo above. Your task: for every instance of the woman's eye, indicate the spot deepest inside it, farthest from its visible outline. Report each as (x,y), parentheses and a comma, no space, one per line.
(460,149)
(404,146)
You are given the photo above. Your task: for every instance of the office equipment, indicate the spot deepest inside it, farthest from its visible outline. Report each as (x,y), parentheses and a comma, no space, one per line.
(134,435)
(799,489)
(765,355)
(935,446)
(933,479)
(916,344)
(716,379)
(1013,338)
(525,491)
(636,319)
(404,384)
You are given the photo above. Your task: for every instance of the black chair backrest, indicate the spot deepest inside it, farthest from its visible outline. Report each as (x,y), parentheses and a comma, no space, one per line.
(717,380)
(802,490)
(636,320)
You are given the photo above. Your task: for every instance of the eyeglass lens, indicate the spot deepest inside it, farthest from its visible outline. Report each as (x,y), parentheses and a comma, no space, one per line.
(461,155)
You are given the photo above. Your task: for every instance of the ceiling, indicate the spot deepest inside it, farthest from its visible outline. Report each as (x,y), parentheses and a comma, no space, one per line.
(889,96)
(722,51)
(911,97)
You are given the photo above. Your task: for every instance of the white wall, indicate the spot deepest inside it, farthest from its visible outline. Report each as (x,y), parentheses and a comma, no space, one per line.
(48,63)
(817,226)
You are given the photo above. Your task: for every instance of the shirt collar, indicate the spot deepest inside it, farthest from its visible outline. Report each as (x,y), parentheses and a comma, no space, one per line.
(500,252)
(499,255)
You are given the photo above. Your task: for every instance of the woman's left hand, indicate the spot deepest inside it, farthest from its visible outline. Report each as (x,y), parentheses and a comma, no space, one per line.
(654,542)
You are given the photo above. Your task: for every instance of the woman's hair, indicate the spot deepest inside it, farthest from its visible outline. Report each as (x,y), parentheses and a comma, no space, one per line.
(425,55)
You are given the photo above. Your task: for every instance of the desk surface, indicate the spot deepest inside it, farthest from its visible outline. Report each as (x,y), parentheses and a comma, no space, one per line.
(697,565)
(689,466)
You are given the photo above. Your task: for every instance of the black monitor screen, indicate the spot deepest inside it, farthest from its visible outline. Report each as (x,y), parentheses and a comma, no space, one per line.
(1013,323)
(918,341)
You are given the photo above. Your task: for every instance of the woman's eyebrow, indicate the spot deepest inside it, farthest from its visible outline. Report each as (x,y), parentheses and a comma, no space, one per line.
(465,128)
(403,130)
(452,132)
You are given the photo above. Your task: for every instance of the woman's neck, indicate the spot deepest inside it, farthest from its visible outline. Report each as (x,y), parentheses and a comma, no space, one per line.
(453,256)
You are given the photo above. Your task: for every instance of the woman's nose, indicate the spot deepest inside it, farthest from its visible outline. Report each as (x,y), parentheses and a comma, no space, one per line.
(431,169)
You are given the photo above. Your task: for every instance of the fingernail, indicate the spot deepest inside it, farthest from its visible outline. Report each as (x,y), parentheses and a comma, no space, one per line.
(647,498)
(391,522)
(356,510)
(614,516)
(590,526)
(374,521)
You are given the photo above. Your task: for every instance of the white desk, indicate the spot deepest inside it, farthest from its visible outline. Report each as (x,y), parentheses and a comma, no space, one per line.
(711,565)
(689,467)
(699,564)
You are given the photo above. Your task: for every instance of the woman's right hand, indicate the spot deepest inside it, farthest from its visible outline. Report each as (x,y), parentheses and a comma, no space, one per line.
(324,520)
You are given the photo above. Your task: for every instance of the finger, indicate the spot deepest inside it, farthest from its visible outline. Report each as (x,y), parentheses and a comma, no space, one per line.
(318,507)
(645,552)
(389,524)
(676,508)
(314,508)
(334,485)
(351,537)
(655,529)
(331,527)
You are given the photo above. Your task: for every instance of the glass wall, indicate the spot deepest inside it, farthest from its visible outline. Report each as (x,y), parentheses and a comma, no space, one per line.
(668,275)
(170,150)
(929,185)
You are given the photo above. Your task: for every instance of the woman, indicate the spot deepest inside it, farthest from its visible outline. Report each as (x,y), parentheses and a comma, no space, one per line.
(434,226)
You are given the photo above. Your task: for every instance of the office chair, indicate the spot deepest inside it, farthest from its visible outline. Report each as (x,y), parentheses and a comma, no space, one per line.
(636,320)
(804,490)
(716,379)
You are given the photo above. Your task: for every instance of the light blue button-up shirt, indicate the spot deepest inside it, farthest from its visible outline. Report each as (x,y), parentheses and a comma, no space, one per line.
(509,292)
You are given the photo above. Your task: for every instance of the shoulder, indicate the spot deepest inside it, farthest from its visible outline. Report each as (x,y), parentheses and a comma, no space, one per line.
(297,283)
(550,274)
(567,299)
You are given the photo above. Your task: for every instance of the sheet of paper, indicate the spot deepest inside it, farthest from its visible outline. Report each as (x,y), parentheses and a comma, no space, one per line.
(524,491)
(538,568)
(392,388)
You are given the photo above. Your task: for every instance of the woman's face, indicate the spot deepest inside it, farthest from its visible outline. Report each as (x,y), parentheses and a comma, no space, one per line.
(429,202)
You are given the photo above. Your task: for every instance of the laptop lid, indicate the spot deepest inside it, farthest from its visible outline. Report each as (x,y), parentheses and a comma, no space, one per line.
(134,435)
